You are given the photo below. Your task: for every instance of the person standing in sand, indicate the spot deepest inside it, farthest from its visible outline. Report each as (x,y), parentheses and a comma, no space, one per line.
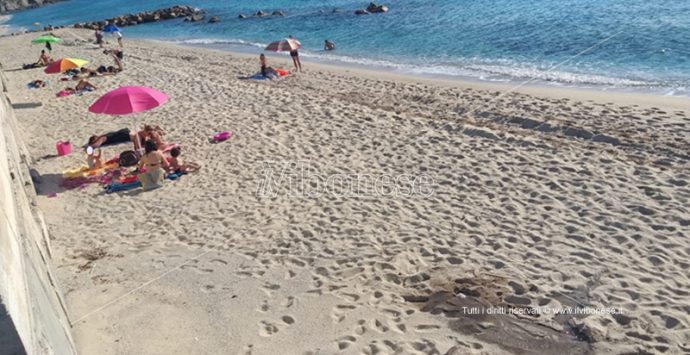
(118,34)
(295,57)
(99,37)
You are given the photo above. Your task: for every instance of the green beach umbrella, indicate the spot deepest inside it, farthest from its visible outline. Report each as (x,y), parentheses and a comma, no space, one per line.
(46,39)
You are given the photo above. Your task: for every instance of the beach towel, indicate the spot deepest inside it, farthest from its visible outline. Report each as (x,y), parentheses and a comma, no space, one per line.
(32,85)
(63,93)
(128,184)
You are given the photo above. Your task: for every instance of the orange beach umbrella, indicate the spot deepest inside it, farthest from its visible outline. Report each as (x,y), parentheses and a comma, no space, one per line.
(64,64)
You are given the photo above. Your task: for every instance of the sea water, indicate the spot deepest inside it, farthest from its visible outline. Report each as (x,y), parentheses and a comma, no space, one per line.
(622,44)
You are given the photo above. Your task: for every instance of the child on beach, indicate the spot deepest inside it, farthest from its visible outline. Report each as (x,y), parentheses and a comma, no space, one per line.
(178,166)
(94,161)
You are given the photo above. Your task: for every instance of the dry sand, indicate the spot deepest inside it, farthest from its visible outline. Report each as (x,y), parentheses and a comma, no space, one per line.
(537,199)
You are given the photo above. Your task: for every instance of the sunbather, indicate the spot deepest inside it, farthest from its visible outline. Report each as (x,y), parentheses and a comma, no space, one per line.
(266,71)
(44,59)
(122,136)
(37,84)
(152,166)
(85,85)
(152,133)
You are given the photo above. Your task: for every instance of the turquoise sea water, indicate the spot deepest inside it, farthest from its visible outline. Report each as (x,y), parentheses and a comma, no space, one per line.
(626,44)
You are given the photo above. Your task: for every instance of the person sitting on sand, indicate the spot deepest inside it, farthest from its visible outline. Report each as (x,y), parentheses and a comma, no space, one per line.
(116,52)
(152,166)
(44,59)
(152,133)
(85,85)
(266,71)
(92,159)
(178,166)
(328,45)
(111,138)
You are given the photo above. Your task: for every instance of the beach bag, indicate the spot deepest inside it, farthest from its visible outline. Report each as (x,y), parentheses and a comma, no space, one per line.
(63,147)
(128,158)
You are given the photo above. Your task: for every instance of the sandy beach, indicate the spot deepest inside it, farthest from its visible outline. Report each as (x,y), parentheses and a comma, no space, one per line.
(350,207)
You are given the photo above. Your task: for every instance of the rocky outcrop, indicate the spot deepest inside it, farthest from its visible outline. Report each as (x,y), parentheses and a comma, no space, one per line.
(262,13)
(372,9)
(214,19)
(189,13)
(12,5)
(195,18)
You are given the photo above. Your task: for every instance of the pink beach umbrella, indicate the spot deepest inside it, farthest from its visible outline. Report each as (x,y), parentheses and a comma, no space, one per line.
(127,100)
(285,45)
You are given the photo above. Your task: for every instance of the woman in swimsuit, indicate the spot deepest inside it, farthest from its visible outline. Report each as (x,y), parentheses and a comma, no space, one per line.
(153,166)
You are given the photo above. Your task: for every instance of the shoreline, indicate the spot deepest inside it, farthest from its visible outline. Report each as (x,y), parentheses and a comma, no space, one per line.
(507,81)
(536,89)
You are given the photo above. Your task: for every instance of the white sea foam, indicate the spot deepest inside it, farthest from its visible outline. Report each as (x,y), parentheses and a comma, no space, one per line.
(215,41)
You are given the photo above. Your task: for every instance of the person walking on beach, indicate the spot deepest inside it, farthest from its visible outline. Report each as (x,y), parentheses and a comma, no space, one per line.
(295,57)
(118,34)
(99,37)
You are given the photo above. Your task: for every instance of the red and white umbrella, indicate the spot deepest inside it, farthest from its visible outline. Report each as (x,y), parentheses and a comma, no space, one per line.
(285,45)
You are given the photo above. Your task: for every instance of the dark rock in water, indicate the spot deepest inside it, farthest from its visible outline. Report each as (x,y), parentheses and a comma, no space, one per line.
(242,16)
(260,14)
(278,13)
(190,14)
(361,12)
(214,19)
(373,8)
(196,18)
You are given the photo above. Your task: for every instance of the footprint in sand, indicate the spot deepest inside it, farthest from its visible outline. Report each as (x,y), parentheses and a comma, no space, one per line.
(345,342)
(266,329)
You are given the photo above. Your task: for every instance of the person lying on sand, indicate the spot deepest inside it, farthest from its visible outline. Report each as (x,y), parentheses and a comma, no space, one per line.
(122,136)
(178,166)
(84,73)
(37,84)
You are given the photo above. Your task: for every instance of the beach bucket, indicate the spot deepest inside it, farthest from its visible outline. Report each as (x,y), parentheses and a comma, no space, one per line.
(63,147)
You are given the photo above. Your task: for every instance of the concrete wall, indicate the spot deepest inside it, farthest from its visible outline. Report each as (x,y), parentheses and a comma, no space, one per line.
(28,289)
